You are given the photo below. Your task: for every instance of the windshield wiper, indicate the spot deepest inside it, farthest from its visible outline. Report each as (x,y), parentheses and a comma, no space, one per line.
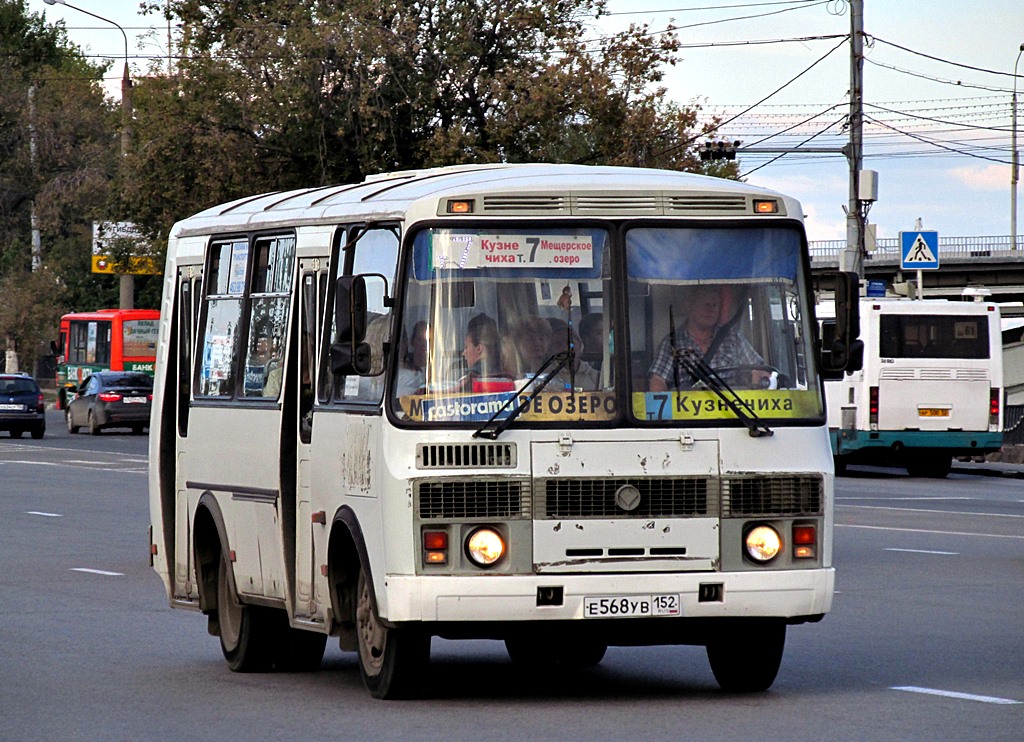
(539,381)
(698,368)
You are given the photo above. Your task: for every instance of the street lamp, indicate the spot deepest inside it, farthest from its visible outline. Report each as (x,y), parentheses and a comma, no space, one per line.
(127,280)
(1014,156)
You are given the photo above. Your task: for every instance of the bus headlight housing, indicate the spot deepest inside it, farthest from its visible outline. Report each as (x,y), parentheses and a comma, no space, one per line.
(485,547)
(763,543)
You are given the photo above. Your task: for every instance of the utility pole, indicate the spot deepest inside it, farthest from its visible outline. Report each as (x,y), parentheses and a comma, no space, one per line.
(853,255)
(37,245)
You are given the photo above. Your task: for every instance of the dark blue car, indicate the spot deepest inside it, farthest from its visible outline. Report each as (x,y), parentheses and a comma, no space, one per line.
(21,406)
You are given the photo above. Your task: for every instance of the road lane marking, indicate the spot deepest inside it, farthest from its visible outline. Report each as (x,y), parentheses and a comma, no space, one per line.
(954,694)
(97,572)
(45,515)
(909,499)
(924,551)
(924,510)
(922,530)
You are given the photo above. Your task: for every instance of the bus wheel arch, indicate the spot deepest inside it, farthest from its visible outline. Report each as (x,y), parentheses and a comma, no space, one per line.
(390,658)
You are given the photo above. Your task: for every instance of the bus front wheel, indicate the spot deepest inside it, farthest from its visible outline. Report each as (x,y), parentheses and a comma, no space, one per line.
(391,660)
(747,658)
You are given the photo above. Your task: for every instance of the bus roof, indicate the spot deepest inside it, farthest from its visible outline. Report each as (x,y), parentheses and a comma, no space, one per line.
(109,313)
(500,190)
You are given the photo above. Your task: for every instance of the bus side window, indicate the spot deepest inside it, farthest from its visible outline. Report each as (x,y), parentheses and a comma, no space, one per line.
(225,287)
(374,251)
(273,267)
(185,330)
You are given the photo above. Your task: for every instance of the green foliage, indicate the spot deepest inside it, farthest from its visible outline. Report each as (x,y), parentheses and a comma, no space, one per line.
(58,154)
(274,95)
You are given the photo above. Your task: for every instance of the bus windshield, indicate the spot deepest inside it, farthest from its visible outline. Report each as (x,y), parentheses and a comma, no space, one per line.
(726,299)
(485,309)
(491,314)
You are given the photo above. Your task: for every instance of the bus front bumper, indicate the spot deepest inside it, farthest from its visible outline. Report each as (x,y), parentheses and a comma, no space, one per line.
(702,595)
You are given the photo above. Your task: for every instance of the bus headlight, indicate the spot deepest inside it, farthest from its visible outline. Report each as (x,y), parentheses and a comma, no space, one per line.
(485,547)
(763,543)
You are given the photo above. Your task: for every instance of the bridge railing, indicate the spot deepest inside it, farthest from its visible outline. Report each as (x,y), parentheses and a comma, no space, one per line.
(825,253)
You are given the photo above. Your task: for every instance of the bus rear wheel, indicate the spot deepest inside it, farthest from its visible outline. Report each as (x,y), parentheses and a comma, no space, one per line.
(391,660)
(244,629)
(747,658)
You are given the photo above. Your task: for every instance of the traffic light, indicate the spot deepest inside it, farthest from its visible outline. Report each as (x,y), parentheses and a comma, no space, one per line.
(719,150)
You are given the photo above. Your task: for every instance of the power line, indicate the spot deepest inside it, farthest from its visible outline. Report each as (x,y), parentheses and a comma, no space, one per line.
(945,61)
(931,78)
(934,143)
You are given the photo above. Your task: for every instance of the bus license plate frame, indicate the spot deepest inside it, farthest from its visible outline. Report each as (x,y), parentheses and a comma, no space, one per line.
(933,412)
(632,606)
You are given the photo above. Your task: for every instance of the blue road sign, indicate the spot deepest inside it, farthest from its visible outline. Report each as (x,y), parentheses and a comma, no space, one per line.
(919,250)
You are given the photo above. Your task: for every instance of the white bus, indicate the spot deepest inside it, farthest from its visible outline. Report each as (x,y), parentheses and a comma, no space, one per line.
(429,404)
(931,386)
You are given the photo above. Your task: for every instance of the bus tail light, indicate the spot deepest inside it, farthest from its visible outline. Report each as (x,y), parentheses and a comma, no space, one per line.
(993,406)
(873,408)
(109,397)
(805,539)
(435,547)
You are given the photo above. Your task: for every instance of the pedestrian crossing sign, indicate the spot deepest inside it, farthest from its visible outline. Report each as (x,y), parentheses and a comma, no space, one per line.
(919,250)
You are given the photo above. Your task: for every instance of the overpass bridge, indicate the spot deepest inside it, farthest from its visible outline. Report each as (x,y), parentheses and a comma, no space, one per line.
(992,263)
(989,262)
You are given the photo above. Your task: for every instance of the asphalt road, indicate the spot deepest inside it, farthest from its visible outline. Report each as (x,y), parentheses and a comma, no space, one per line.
(925,641)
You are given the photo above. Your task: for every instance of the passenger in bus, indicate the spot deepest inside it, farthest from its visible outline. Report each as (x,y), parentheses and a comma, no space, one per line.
(482,353)
(529,347)
(703,334)
(583,376)
(378,333)
(592,338)
(412,377)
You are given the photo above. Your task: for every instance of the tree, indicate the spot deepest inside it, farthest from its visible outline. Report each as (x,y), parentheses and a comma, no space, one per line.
(274,94)
(58,151)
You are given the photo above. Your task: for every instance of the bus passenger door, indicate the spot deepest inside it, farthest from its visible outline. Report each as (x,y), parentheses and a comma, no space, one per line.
(310,531)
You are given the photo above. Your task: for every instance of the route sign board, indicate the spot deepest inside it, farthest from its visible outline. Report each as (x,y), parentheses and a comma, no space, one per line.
(919,250)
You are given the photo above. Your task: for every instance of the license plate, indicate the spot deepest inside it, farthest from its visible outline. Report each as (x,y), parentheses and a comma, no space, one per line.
(134,400)
(18,407)
(625,606)
(932,412)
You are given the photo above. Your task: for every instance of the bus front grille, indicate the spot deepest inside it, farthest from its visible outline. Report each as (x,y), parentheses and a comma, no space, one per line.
(473,498)
(466,455)
(758,495)
(677,497)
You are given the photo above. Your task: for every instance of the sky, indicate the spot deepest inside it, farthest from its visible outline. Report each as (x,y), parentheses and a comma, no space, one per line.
(938,132)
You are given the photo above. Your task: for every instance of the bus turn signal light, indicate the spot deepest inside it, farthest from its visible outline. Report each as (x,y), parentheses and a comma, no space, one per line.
(805,538)
(435,547)
(766,207)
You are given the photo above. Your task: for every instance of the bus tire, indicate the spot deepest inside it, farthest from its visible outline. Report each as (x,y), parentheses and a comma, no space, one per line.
(245,630)
(840,465)
(391,660)
(747,658)
(533,653)
(72,428)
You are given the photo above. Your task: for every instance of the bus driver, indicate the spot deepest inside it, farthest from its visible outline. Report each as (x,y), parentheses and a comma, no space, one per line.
(704,334)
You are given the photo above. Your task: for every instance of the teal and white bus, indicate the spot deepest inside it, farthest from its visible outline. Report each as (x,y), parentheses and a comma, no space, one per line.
(931,386)
(466,402)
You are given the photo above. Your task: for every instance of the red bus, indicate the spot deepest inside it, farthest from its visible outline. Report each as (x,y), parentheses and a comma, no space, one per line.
(107,339)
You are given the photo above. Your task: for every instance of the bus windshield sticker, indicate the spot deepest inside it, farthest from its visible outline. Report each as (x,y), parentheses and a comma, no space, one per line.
(462,251)
(590,406)
(705,405)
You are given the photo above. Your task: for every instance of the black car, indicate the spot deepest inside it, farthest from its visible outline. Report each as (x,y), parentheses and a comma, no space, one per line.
(21,406)
(111,399)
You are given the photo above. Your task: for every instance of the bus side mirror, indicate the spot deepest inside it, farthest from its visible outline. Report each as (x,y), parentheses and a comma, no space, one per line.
(349,354)
(842,350)
(54,350)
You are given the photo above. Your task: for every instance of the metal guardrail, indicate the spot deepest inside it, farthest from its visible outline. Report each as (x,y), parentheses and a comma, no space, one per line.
(1013,425)
(887,251)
